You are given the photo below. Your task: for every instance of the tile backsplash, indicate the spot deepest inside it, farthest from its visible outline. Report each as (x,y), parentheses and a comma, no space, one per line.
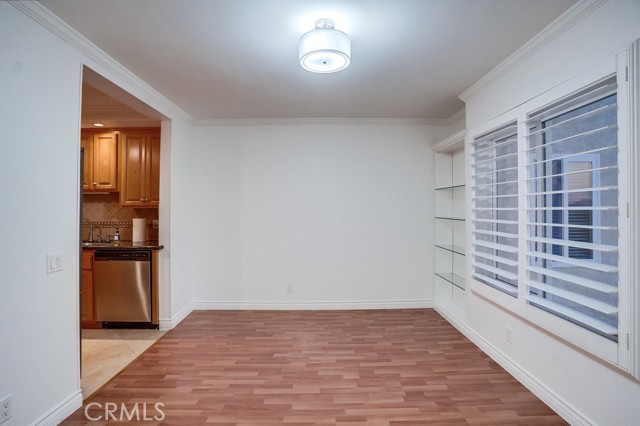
(105,212)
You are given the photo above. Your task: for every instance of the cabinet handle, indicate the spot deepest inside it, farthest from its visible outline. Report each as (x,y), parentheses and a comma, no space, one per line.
(95,184)
(142,200)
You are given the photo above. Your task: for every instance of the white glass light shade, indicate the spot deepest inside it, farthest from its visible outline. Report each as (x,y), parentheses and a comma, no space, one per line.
(325,49)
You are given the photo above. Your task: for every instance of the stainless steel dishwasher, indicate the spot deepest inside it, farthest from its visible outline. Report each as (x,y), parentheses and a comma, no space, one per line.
(122,281)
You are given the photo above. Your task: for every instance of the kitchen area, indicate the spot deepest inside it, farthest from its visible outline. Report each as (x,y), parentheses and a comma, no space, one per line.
(119,297)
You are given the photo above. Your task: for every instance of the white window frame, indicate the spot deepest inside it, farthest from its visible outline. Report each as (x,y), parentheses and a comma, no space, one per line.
(506,287)
(595,161)
(624,354)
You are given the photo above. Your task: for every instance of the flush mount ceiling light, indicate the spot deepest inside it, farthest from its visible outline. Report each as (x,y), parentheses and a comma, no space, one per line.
(98,124)
(325,49)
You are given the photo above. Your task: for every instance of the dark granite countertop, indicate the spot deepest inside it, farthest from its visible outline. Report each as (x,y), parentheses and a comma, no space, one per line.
(122,245)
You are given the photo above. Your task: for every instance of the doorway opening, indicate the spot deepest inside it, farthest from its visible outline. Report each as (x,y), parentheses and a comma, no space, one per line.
(120,141)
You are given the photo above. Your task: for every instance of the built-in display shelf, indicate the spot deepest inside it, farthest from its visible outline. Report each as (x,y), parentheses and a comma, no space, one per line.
(449,199)
(454,279)
(450,188)
(452,248)
(459,219)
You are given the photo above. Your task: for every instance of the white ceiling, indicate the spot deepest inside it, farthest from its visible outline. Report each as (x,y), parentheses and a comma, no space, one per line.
(231,59)
(98,107)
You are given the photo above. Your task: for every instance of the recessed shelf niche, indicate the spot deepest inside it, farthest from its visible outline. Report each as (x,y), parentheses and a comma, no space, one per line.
(450,225)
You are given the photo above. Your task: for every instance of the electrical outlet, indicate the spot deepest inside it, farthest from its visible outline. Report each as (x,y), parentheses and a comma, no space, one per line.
(289,288)
(509,335)
(5,409)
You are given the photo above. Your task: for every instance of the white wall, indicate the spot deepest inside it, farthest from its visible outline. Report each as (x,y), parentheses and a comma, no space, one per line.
(40,119)
(164,231)
(40,84)
(596,392)
(180,294)
(238,217)
(339,211)
(609,30)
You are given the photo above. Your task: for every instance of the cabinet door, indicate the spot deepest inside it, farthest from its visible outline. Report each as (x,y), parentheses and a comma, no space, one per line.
(87,259)
(86,142)
(87,306)
(153,171)
(132,191)
(105,162)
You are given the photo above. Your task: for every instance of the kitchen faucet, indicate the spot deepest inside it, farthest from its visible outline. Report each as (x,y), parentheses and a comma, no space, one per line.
(90,228)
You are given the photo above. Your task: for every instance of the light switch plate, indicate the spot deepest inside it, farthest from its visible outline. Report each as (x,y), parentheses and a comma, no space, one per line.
(54,262)
(5,409)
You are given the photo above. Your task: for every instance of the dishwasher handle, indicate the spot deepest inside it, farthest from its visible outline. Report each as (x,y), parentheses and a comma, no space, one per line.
(122,255)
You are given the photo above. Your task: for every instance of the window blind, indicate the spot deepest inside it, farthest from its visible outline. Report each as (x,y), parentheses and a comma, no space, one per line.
(572,209)
(495,209)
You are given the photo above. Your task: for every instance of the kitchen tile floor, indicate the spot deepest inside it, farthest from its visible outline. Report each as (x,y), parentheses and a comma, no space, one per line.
(106,352)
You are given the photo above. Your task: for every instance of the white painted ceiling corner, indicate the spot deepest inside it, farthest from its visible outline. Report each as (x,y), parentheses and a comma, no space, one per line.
(221,60)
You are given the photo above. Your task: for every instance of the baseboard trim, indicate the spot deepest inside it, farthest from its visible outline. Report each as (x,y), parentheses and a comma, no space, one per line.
(56,415)
(549,397)
(239,305)
(168,324)
(165,324)
(315,305)
(451,319)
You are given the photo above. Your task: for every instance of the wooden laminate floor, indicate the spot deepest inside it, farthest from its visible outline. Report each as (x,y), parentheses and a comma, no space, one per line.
(348,368)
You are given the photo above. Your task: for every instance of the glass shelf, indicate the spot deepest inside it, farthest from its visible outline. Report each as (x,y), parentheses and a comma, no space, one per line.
(460,219)
(454,279)
(452,248)
(449,231)
(450,188)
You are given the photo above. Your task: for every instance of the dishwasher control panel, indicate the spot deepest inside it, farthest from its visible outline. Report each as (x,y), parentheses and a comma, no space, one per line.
(143,255)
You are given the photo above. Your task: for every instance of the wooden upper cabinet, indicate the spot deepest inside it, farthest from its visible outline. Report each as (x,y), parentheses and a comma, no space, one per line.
(133,153)
(153,171)
(86,143)
(140,169)
(100,161)
(105,162)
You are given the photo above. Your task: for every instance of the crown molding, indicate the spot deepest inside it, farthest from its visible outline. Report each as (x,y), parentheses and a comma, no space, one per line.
(563,23)
(48,20)
(452,143)
(447,121)
(456,116)
(308,121)
(332,121)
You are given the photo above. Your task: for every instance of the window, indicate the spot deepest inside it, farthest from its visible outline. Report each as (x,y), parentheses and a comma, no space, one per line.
(572,211)
(495,209)
(554,222)
(568,191)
